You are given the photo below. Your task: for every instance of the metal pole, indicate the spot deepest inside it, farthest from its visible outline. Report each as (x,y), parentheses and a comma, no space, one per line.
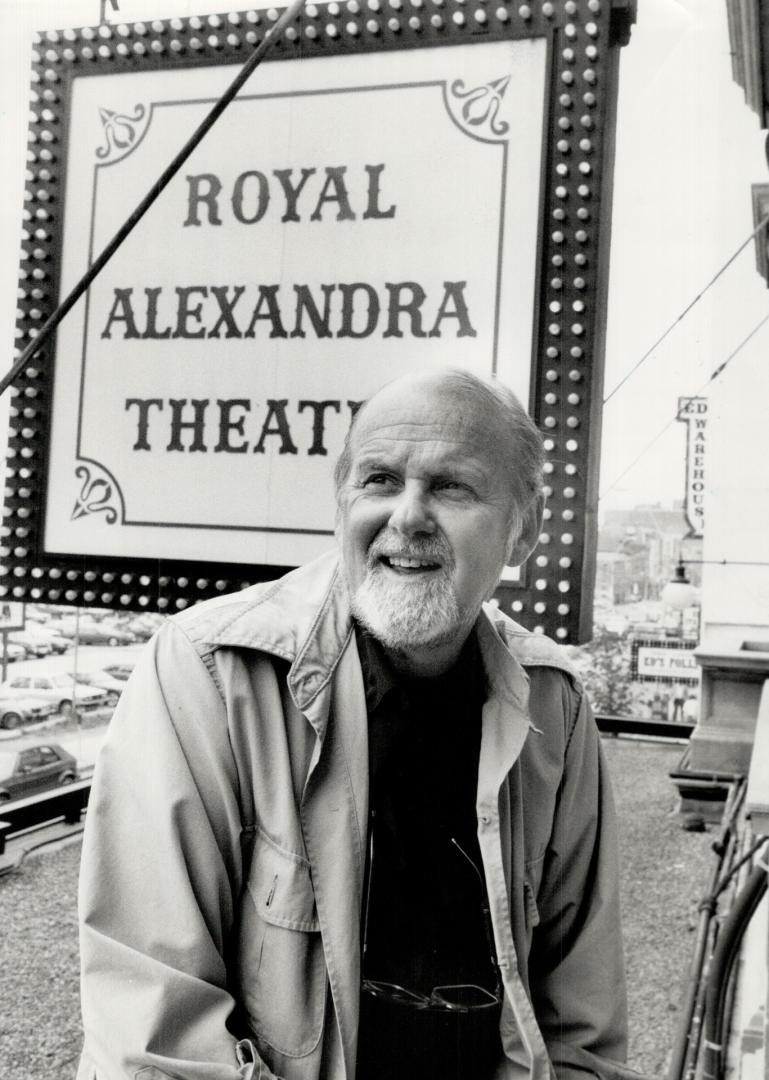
(48,327)
(75,709)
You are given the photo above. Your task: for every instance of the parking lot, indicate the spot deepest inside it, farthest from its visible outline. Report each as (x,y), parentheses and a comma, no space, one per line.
(87,658)
(82,737)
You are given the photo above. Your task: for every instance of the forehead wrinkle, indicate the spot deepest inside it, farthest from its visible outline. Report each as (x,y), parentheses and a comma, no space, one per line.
(403,429)
(438,455)
(467,435)
(438,431)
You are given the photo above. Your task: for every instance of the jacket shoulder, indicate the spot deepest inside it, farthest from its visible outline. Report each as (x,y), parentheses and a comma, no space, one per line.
(556,690)
(274,617)
(206,620)
(529,649)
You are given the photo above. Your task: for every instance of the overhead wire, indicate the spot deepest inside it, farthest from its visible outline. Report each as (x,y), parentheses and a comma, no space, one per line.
(244,73)
(761,225)
(718,371)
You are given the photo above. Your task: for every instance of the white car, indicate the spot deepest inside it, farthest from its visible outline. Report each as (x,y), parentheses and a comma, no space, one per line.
(59,689)
(14,652)
(34,645)
(15,712)
(37,633)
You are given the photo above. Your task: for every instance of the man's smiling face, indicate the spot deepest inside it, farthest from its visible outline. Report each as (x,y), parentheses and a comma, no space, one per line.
(425,519)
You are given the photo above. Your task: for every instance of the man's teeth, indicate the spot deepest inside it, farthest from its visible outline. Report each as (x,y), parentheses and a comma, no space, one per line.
(406,563)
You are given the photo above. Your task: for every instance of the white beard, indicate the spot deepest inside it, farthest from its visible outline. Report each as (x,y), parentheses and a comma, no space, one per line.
(408,612)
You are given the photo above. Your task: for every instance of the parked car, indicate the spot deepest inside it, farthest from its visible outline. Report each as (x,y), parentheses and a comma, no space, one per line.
(62,627)
(144,626)
(35,768)
(15,652)
(16,711)
(58,643)
(93,633)
(90,631)
(118,671)
(35,646)
(58,689)
(102,680)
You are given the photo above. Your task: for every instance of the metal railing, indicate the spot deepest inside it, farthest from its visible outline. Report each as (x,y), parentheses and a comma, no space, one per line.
(69,802)
(45,808)
(649,729)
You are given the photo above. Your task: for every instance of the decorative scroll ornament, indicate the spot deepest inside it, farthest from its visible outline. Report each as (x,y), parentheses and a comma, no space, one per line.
(120,131)
(480,107)
(96,495)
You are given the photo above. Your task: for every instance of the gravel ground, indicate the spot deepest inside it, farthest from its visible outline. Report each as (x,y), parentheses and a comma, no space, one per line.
(665,871)
(40,1030)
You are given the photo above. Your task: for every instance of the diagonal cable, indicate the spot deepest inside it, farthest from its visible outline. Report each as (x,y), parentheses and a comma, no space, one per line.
(762,224)
(718,371)
(53,320)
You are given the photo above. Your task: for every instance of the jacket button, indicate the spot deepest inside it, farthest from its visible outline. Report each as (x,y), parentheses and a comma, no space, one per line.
(485,819)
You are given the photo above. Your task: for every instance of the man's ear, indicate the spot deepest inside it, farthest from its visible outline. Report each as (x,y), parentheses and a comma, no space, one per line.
(523,542)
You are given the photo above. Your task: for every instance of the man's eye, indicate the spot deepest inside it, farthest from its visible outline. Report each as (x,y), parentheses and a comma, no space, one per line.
(378,480)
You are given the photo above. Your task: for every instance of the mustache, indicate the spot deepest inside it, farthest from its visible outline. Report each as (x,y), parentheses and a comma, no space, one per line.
(388,544)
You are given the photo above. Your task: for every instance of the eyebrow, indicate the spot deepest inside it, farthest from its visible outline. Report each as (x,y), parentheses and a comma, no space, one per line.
(456,468)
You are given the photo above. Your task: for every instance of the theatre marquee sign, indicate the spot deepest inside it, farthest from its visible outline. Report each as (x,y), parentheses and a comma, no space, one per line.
(364,208)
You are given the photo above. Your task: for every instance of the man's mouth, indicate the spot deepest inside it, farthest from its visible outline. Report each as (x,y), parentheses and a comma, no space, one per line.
(408,563)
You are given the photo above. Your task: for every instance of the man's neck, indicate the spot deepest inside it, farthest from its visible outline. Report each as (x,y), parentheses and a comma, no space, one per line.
(426,661)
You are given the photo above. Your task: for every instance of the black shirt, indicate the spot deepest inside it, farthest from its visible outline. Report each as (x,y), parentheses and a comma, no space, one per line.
(423,924)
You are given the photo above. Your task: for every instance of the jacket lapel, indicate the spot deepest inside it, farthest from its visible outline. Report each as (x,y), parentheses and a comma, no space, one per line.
(506,726)
(334,824)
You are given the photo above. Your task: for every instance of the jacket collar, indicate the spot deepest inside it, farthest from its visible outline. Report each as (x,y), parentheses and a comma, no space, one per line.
(304,618)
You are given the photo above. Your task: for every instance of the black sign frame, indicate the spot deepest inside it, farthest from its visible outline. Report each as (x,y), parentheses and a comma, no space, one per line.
(583,39)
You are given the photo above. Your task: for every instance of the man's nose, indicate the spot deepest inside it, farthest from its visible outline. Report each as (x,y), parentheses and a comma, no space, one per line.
(412,512)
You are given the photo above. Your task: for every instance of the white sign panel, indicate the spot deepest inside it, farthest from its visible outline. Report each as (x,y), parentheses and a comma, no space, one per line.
(343,225)
(694,413)
(658,662)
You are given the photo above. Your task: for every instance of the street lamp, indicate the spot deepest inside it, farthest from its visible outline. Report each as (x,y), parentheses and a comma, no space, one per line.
(679,593)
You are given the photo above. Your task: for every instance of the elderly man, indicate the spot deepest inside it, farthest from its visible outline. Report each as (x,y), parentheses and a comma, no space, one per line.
(351,824)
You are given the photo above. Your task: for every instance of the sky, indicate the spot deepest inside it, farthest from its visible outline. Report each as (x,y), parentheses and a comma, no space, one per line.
(687,151)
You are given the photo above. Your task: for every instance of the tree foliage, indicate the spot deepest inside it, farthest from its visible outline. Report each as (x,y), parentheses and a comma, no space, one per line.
(604,664)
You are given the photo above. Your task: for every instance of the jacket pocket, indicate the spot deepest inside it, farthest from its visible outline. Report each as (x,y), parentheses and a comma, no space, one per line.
(282,969)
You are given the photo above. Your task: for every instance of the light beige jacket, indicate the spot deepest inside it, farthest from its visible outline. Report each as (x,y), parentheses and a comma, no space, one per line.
(225,844)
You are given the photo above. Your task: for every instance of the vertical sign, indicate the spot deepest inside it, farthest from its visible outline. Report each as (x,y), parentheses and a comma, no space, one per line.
(693,411)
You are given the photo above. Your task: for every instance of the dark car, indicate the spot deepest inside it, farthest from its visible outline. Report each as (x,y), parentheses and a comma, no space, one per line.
(35,768)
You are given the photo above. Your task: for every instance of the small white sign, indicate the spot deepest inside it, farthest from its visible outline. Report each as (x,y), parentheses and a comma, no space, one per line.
(11,617)
(666,664)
